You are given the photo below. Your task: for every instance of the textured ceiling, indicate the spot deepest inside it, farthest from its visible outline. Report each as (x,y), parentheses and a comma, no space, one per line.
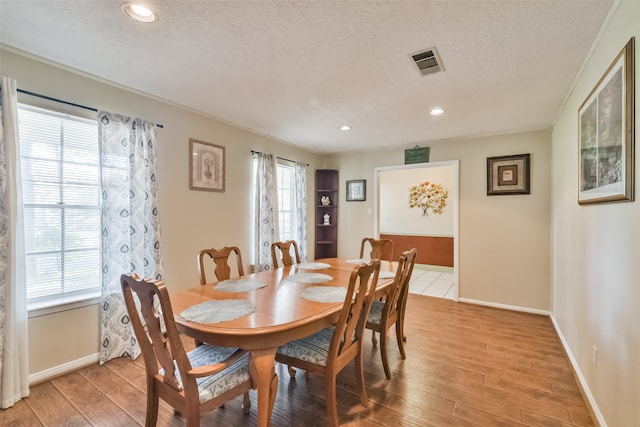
(296,70)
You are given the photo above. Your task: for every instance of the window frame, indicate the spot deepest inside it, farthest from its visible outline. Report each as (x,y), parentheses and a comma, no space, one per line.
(280,168)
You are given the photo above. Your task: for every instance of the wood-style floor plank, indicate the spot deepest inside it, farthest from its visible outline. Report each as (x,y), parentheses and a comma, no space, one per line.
(466,366)
(90,401)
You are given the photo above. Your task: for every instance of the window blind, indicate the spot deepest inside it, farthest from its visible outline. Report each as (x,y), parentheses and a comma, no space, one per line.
(61,198)
(286,183)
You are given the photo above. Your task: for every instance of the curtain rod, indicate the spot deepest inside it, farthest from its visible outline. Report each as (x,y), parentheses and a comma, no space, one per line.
(281,158)
(49,98)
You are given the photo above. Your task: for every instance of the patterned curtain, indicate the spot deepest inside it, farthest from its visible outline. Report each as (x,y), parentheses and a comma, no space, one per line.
(14,354)
(266,211)
(130,222)
(301,209)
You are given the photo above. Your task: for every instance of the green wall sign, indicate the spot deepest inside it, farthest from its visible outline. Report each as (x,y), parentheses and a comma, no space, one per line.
(416,155)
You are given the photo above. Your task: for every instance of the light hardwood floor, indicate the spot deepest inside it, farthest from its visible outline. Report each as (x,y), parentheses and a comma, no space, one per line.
(466,366)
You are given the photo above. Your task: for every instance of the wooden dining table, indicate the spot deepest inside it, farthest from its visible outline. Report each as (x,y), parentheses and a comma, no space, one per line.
(281,315)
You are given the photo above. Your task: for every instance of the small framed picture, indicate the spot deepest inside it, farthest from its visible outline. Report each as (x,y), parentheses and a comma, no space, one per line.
(356,190)
(508,175)
(206,166)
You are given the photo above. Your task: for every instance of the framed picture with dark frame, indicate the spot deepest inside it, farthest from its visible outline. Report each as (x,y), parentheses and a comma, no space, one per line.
(206,166)
(356,190)
(508,175)
(607,135)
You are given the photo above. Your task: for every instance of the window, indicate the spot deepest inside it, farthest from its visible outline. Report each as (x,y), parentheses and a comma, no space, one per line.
(60,165)
(286,201)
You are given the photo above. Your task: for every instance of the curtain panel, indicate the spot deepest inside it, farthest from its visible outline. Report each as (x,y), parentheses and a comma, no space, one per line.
(130,222)
(301,209)
(266,230)
(14,354)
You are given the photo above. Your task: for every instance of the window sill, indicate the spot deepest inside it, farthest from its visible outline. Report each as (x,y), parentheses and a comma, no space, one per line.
(63,304)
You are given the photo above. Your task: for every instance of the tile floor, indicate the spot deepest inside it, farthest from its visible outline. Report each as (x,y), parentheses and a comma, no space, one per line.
(432,283)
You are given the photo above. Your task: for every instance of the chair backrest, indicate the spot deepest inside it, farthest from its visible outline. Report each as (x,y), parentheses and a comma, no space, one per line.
(400,287)
(347,337)
(220,258)
(158,349)
(285,253)
(380,248)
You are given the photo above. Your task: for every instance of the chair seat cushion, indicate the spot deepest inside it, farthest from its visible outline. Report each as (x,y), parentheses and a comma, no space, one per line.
(313,348)
(375,315)
(215,385)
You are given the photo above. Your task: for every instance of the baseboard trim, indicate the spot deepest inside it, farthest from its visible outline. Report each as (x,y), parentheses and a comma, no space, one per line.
(505,306)
(595,411)
(63,369)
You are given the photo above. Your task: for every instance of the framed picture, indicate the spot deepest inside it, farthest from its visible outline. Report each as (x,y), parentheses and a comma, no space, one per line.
(357,190)
(206,166)
(508,175)
(606,135)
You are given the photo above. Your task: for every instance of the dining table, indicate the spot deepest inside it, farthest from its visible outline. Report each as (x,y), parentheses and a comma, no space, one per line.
(284,304)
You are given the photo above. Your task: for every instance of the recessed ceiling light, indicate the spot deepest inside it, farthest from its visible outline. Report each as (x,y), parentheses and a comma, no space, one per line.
(345,127)
(436,111)
(139,12)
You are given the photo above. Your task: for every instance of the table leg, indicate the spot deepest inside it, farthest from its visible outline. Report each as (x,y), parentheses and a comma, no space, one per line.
(266,382)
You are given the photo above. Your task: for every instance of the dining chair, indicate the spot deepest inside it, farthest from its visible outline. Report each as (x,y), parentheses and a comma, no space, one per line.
(385,313)
(192,383)
(327,352)
(220,258)
(285,253)
(380,248)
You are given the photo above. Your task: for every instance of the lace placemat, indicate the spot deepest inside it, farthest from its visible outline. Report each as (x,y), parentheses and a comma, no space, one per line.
(215,311)
(324,294)
(357,261)
(239,285)
(310,277)
(386,275)
(313,265)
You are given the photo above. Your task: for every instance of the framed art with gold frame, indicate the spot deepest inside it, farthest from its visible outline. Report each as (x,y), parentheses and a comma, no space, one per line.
(607,135)
(206,166)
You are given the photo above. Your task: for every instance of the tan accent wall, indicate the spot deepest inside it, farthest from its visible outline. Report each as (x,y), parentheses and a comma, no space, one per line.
(504,247)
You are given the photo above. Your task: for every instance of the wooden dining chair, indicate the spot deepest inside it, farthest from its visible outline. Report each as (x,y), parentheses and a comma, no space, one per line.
(194,382)
(327,352)
(385,313)
(285,257)
(220,258)
(380,248)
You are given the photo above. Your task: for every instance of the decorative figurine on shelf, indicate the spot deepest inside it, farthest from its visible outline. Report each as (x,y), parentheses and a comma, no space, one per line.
(325,201)
(326,219)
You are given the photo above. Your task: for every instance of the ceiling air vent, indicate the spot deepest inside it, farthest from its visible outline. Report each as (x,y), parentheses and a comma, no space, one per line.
(428,61)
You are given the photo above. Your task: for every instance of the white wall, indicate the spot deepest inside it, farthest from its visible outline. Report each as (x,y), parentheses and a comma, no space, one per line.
(596,250)
(190,220)
(395,215)
(504,241)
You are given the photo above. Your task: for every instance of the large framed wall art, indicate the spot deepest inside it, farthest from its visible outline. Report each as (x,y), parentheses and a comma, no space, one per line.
(606,135)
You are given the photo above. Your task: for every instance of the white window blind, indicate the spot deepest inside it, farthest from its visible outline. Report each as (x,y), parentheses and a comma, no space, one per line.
(61,197)
(286,189)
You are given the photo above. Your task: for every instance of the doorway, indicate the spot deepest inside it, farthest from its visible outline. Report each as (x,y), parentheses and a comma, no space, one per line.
(434,231)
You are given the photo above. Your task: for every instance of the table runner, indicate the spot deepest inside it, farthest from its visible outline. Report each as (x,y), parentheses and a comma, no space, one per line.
(324,294)
(215,311)
(313,265)
(239,285)
(310,277)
